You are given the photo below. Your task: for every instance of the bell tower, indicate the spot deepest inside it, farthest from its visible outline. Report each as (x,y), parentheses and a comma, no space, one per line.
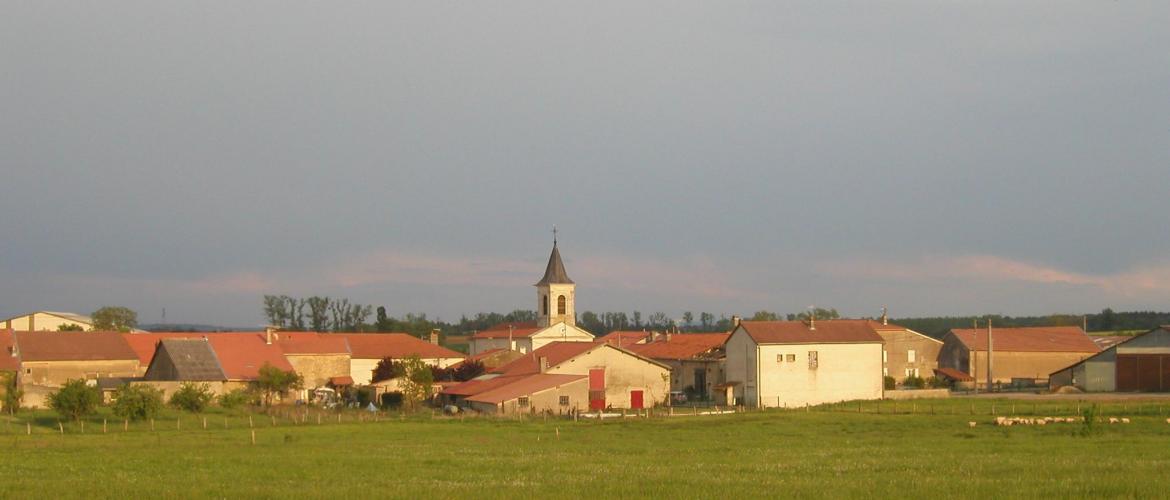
(554,292)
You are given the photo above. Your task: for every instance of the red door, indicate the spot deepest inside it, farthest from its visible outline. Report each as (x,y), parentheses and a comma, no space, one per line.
(636,400)
(597,388)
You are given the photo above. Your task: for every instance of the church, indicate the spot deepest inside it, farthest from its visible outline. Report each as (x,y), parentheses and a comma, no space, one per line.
(556,319)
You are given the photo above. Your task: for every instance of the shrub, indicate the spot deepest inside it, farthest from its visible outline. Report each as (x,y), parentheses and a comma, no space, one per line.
(75,400)
(234,399)
(888,383)
(137,402)
(364,396)
(936,383)
(192,397)
(1089,427)
(913,382)
(391,400)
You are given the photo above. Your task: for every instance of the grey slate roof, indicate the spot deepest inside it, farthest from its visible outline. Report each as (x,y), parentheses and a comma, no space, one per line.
(555,272)
(190,359)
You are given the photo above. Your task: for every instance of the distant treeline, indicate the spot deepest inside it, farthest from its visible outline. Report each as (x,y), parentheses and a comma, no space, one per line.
(1107,320)
(340,315)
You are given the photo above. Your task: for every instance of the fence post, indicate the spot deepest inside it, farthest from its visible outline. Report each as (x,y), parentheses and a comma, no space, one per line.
(103,426)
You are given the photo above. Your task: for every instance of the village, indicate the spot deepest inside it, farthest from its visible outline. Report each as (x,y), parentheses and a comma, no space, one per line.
(553,367)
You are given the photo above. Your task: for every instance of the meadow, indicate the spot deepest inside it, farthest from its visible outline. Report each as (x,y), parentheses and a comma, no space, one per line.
(844,450)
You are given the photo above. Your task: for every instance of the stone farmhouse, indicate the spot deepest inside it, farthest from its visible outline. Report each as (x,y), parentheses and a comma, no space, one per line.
(47,361)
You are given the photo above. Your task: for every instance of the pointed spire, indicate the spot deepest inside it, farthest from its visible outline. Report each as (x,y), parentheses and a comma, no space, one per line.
(555,272)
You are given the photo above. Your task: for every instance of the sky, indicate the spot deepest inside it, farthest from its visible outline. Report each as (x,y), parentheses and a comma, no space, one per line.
(936,157)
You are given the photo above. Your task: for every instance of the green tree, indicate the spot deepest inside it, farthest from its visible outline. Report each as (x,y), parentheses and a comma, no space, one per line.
(192,397)
(13,394)
(706,319)
(1106,320)
(387,369)
(114,318)
(75,399)
(416,386)
(70,327)
(821,313)
(765,316)
(272,381)
(688,318)
(137,402)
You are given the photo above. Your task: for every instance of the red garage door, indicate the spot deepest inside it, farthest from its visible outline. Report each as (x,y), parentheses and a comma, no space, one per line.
(636,400)
(1143,372)
(597,388)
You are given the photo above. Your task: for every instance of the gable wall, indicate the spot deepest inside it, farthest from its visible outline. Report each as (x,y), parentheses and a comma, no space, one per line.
(843,372)
(623,373)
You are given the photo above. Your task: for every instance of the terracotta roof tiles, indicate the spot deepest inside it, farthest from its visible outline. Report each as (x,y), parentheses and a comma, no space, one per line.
(69,346)
(524,386)
(799,332)
(681,345)
(1030,339)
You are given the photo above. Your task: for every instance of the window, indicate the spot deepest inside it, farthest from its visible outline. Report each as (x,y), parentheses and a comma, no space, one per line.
(910,356)
(522,402)
(544,303)
(779,358)
(564,401)
(884,357)
(812,360)
(791,358)
(560,304)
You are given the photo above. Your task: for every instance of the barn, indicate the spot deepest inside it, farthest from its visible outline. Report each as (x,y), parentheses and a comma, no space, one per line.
(1140,364)
(1019,356)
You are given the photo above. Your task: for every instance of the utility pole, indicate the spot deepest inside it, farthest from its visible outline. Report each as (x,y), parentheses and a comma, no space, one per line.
(989,351)
(975,356)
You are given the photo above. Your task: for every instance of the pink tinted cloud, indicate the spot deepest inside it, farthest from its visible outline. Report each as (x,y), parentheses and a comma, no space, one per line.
(1149,278)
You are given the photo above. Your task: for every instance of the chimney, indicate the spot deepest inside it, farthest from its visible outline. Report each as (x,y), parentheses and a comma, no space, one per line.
(885,316)
(735,322)
(668,335)
(435,336)
(542,362)
(268,335)
(812,321)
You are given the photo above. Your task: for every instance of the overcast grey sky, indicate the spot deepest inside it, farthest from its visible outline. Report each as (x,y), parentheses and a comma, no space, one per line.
(940,157)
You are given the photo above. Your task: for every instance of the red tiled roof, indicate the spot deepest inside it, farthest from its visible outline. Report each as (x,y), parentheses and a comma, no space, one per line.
(503,334)
(8,362)
(69,346)
(241,354)
(623,338)
(393,345)
(953,374)
(493,358)
(1030,339)
(303,343)
(524,386)
(798,332)
(340,381)
(680,345)
(478,385)
(556,352)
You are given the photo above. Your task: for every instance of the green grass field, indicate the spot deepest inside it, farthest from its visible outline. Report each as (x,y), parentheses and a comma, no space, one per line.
(827,452)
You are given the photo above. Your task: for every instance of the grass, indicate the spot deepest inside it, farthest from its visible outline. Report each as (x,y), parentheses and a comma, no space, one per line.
(831,451)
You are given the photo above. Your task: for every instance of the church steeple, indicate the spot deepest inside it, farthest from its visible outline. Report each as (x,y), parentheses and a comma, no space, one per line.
(555,272)
(554,292)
